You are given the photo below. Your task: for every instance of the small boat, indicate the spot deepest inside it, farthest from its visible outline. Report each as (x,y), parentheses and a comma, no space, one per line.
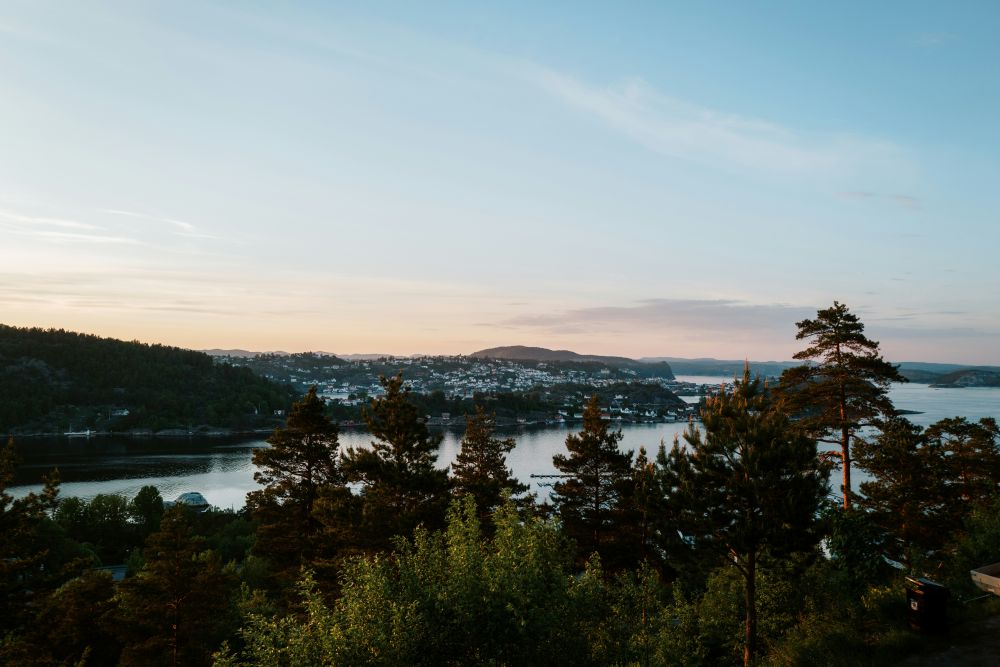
(987,578)
(78,434)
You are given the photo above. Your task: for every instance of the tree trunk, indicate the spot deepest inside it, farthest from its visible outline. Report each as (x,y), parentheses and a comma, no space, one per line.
(750,637)
(845,452)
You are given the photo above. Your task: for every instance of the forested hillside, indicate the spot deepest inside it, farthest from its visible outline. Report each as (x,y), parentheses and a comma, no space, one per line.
(53,380)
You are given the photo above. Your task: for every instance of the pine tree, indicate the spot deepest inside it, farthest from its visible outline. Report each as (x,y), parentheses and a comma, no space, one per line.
(751,484)
(845,389)
(906,496)
(480,469)
(299,464)
(971,460)
(178,609)
(596,481)
(926,483)
(400,486)
(26,571)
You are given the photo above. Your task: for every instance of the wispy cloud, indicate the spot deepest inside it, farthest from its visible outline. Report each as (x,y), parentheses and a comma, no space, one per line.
(47,228)
(906,201)
(45,221)
(181,228)
(685,130)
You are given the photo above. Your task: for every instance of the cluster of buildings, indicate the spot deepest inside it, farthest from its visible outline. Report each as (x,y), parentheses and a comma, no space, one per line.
(354,382)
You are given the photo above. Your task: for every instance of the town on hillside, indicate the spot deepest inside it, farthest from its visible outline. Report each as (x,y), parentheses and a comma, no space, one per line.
(555,390)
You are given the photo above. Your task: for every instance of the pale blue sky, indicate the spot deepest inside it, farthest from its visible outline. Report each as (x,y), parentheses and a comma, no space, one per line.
(683,179)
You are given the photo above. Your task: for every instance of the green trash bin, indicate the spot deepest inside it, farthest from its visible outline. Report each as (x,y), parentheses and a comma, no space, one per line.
(927,603)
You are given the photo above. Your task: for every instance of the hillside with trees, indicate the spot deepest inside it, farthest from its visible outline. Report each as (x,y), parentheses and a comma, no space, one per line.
(53,381)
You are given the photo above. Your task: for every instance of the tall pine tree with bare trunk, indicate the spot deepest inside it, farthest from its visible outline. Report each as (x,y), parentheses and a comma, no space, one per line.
(844,389)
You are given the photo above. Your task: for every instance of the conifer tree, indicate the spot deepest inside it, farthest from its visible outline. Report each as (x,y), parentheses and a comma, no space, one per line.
(752,483)
(300,462)
(596,481)
(844,389)
(927,482)
(178,609)
(26,572)
(400,486)
(480,469)
(971,459)
(906,497)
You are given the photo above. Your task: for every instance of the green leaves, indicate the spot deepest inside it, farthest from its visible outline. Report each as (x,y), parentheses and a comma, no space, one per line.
(446,598)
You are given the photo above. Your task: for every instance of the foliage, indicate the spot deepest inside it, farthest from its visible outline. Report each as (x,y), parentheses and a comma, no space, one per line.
(927,482)
(846,386)
(751,483)
(856,544)
(177,610)
(480,469)
(977,545)
(596,480)
(102,524)
(146,509)
(970,459)
(905,496)
(55,380)
(300,462)
(27,567)
(76,623)
(447,598)
(400,486)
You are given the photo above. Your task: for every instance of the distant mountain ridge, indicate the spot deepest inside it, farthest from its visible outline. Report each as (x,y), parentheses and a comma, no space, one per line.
(542,354)
(525,353)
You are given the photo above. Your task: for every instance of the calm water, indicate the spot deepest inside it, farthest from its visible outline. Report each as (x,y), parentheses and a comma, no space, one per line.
(223,473)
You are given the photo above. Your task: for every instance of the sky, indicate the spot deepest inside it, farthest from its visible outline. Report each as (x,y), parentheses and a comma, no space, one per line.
(638,179)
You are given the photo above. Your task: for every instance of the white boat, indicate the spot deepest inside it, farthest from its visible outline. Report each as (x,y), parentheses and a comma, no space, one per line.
(987,578)
(78,434)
